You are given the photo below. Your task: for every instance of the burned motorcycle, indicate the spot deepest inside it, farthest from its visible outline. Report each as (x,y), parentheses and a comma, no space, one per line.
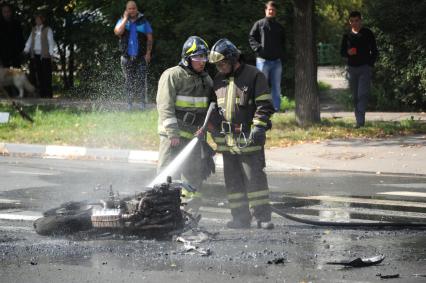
(157,212)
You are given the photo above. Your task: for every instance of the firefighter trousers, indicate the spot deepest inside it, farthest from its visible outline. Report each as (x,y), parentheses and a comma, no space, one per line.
(247,186)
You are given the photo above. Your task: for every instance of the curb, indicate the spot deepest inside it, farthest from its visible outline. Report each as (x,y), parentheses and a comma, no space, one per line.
(131,156)
(76,152)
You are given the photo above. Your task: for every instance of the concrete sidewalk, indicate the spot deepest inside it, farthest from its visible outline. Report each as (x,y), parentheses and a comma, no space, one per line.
(397,155)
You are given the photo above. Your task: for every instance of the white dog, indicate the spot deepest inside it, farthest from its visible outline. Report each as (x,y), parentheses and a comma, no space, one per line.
(16,78)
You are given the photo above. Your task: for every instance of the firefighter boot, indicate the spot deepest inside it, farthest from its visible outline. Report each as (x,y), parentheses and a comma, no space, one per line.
(262,215)
(238,224)
(265,225)
(241,218)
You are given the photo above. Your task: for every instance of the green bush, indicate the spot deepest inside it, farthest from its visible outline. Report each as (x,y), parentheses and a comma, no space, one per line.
(323,86)
(400,73)
(287,104)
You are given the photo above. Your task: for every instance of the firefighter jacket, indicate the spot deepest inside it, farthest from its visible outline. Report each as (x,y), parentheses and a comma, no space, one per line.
(183,98)
(244,101)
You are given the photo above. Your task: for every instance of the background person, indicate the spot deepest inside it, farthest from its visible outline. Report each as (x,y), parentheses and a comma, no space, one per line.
(245,102)
(266,39)
(41,47)
(11,38)
(136,41)
(183,97)
(360,49)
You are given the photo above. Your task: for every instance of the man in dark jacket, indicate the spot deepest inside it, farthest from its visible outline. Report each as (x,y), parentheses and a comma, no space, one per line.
(359,47)
(245,108)
(267,40)
(136,40)
(11,38)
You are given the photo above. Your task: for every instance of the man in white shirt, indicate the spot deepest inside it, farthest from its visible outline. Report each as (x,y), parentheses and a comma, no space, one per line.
(41,46)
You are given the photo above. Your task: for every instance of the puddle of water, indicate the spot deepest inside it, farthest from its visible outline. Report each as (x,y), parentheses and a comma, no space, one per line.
(346,209)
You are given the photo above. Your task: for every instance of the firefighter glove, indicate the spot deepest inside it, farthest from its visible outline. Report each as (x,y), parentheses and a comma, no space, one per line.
(200,134)
(258,135)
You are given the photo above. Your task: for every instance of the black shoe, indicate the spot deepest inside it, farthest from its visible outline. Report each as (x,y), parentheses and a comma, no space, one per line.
(268,225)
(234,224)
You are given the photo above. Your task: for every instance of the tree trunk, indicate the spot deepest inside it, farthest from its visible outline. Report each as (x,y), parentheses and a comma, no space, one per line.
(306,88)
(71,66)
(63,58)
(66,46)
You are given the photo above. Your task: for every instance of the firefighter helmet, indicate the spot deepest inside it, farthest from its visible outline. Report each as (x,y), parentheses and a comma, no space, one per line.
(194,46)
(224,49)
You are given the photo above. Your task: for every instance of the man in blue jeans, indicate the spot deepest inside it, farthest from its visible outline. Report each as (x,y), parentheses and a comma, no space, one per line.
(266,39)
(136,39)
(359,47)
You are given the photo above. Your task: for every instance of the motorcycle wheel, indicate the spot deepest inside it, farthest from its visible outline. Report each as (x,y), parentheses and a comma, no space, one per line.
(70,217)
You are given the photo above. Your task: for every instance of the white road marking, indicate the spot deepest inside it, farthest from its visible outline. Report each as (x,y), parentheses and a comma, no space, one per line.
(31,173)
(16,228)
(3,200)
(404,193)
(19,217)
(366,201)
(405,186)
(215,210)
(363,211)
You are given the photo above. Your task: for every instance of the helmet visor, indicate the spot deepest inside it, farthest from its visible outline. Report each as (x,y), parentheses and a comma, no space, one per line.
(215,57)
(199,58)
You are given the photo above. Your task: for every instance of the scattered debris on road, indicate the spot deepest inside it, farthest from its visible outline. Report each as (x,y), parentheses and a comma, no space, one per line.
(279,260)
(389,276)
(190,241)
(360,262)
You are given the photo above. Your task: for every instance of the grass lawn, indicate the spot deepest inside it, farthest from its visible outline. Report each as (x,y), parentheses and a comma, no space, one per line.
(138,130)
(286,132)
(130,130)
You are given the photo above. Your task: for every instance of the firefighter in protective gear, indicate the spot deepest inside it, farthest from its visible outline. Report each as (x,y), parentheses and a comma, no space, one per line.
(245,107)
(183,96)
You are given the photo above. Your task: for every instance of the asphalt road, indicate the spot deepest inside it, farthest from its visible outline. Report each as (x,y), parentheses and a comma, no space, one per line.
(236,255)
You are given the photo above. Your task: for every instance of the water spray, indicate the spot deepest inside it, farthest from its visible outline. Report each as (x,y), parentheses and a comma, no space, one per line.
(175,165)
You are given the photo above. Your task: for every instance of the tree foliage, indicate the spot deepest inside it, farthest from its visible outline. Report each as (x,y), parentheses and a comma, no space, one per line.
(400,27)
(89,60)
(332,21)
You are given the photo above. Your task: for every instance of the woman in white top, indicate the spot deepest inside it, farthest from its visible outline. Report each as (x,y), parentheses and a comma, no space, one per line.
(41,46)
